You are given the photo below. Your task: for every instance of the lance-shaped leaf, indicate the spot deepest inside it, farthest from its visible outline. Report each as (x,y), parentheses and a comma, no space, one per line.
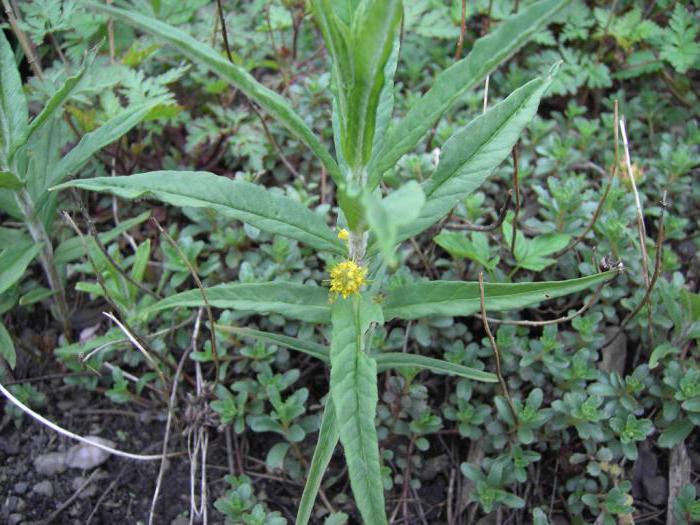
(327,441)
(304,302)
(236,199)
(456,298)
(353,386)
(488,52)
(474,151)
(14,113)
(7,347)
(373,31)
(52,105)
(13,261)
(94,141)
(272,102)
(385,361)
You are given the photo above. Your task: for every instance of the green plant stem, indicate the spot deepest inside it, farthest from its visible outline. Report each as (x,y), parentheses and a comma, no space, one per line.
(41,236)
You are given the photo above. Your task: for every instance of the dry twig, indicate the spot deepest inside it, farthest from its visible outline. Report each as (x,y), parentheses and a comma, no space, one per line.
(494,347)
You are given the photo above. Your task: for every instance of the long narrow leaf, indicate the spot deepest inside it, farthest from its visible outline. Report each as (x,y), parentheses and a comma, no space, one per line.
(327,441)
(385,361)
(373,31)
(14,113)
(13,261)
(353,386)
(205,55)
(456,298)
(7,347)
(295,301)
(52,105)
(94,141)
(239,200)
(488,52)
(473,152)
(300,345)
(405,360)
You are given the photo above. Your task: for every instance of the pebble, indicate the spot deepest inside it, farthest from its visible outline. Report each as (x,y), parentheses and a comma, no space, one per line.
(180,520)
(86,457)
(20,487)
(9,447)
(50,464)
(656,489)
(15,519)
(88,491)
(43,488)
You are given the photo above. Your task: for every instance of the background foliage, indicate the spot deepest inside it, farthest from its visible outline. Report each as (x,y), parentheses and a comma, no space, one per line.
(600,428)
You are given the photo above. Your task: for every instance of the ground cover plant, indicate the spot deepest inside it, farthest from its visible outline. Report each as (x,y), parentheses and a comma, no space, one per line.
(327,171)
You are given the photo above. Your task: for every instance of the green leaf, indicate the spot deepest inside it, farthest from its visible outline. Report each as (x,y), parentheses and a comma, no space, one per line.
(237,199)
(327,441)
(94,141)
(660,352)
(56,100)
(385,361)
(307,347)
(531,254)
(14,113)
(10,181)
(460,247)
(202,54)
(7,347)
(449,86)
(293,300)
(405,360)
(474,151)
(677,432)
(353,386)
(681,48)
(73,248)
(386,216)
(457,298)
(374,27)
(35,295)
(14,261)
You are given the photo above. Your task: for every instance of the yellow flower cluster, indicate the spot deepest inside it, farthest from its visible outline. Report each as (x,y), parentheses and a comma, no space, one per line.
(347,278)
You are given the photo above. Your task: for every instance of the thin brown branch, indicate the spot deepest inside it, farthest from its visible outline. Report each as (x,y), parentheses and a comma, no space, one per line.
(193,272)
(224,32)
(95,236)
(272,140)
(489,227)
(641,228)
(494,347)
(171,410)
(516,186)
(462,31)
(559,320)
(657,271)
(24,41)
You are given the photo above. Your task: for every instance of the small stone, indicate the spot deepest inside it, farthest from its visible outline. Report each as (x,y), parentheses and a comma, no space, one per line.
(20,487)
(15,519)
(656,489)
(9,447)
(86,457)
(51,463)
(88,491)
(43,488)
(10,505)
(180,520)
(21,505)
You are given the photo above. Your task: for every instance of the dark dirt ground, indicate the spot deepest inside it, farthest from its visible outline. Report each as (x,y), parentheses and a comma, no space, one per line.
(120,492)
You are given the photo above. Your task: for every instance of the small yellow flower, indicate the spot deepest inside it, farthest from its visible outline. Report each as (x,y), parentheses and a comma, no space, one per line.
(347,278)
(343,235)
